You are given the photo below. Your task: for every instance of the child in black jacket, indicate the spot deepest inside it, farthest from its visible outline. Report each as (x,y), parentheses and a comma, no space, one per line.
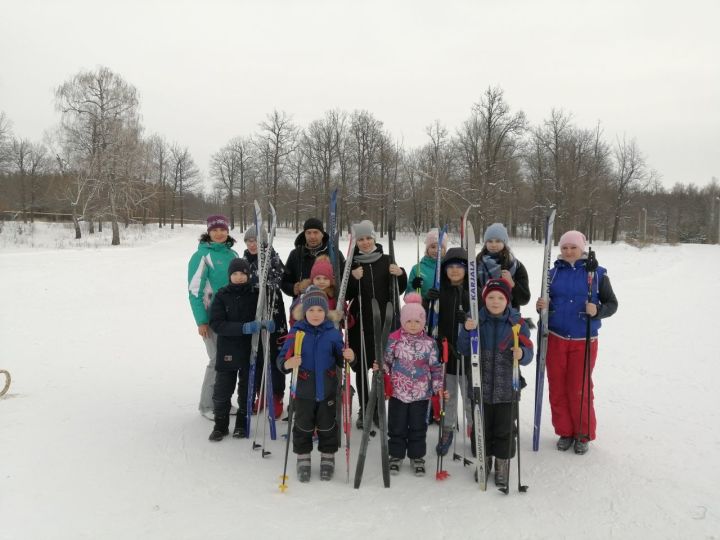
(232,318)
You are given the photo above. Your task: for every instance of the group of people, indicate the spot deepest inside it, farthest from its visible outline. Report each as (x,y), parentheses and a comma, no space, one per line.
(421,371)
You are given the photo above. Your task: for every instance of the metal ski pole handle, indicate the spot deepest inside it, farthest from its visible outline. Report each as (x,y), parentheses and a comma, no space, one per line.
(297,350)
(543,330)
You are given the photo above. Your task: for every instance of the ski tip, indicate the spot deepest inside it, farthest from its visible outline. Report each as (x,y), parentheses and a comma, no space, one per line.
(442,475)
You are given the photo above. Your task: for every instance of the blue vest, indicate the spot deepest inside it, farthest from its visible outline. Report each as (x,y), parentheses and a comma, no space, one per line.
(568,294)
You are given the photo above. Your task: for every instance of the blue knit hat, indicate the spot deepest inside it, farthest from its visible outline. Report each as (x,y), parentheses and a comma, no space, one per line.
(496,231)
(314,296)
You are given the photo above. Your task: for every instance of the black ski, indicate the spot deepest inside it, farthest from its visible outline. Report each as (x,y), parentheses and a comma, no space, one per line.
(376,398)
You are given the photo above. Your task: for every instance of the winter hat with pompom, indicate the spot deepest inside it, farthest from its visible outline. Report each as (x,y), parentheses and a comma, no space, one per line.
(412,310)
(573,238)
(322,267)
(314,297)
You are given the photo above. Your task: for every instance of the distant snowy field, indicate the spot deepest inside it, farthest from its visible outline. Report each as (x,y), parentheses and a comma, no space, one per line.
(100,436)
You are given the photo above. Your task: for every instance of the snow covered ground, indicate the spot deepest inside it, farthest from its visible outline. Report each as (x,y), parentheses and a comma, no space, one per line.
(100,436)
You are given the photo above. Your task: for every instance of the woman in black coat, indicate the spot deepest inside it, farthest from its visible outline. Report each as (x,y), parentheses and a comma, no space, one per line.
(373,275)
(496,260)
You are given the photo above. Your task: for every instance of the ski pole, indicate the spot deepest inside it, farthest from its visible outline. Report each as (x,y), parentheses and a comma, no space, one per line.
(440,473)
(590,266)
(514,414)
(291,407)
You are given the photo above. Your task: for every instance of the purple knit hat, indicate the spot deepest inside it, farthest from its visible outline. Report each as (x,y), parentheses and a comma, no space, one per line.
(412,310)
(218,222)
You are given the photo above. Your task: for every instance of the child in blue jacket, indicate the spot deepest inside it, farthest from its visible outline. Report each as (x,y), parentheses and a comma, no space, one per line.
(314,406)
(496,319)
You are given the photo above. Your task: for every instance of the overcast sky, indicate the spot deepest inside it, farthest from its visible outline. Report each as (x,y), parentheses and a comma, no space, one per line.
(208,71)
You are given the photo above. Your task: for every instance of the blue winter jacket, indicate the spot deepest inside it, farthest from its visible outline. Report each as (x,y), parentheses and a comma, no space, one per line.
(321,353)
(496,342)
(568,295)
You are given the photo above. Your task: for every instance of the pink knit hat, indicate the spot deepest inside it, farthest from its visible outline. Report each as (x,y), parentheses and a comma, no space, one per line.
(432,238)
(322,267)
(573,238)
(412,310)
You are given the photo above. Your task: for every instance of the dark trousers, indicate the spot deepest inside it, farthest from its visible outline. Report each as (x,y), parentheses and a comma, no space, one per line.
(407,428)
(499,430)
(278,377)
(310,415)
(225,383)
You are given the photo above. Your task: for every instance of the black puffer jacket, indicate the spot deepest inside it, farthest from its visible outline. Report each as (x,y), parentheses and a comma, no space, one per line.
(233,306)
(375,283)
(301,260)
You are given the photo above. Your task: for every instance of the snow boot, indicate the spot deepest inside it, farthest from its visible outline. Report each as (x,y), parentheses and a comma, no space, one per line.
(502,467)
(327,466)
(395,465)
(303,467)
(239,431)
(581,447)
(220,429)
(359,423)
(443,446)
(564,443)
(419,466)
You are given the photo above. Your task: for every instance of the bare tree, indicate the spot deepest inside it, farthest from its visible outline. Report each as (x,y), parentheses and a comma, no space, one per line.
(630,175)
(184,176)
(229,169)
(280,135)
(100,126)
(29,161)
(5,141)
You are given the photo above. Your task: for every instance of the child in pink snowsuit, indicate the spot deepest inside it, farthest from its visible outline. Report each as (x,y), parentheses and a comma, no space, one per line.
(414,374)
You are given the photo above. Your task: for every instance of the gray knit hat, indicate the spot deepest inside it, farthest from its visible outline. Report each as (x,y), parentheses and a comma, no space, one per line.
(314,296)
(251,234)
(496,231)
(364,228)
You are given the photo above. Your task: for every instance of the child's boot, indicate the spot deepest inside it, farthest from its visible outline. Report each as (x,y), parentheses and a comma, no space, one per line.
(446,439)
(239,431)
(395,465)
(419,466)
(220,429)
(327,466)
(502,467)
(303,467)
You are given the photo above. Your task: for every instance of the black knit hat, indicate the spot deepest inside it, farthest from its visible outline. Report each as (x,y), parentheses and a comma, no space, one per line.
(455,255)
(239,265)
(314,296)
(313,223)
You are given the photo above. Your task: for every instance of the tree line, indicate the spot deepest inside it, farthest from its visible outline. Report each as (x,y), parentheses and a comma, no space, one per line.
(98,165)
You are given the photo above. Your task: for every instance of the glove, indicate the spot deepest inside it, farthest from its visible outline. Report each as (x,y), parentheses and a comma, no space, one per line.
(269,325)
(433,294)
(460,316)
(252,327)
(417,282)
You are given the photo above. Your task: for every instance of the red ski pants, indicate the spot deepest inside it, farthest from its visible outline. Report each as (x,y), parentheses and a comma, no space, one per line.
(565,361)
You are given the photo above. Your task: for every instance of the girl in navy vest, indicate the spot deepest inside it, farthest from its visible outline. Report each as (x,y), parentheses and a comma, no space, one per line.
(567,321)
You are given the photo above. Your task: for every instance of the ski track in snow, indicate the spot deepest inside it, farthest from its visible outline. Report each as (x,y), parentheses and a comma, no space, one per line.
(100,437)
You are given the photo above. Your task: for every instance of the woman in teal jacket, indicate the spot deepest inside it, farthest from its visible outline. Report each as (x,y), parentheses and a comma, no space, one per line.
(422,275)
(207,273)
